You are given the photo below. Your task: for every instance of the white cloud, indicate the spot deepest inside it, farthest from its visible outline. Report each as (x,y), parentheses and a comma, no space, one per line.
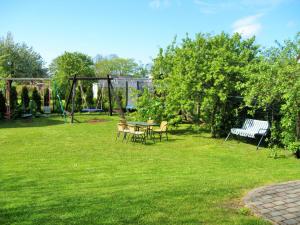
(248,26)
(156,4)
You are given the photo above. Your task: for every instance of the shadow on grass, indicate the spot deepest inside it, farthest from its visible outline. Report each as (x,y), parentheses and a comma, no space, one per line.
(31,122)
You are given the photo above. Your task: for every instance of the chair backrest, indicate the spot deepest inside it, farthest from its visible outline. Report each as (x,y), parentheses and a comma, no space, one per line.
(121,126)
(163,126)
(131,128)
(150,122)
(255,125)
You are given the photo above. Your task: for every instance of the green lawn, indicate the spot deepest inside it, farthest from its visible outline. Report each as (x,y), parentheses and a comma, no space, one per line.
(56,173)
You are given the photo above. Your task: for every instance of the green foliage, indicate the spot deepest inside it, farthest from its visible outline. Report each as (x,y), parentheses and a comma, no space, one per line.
(117,66)
(33,107)
(197,78)
(78,100)
(89,96)
(274,85)
(150,107)
(68,65)
(13,98)
(294,146)
(36,98)
(25,98)
(18,60)
(2,105)
(47,97)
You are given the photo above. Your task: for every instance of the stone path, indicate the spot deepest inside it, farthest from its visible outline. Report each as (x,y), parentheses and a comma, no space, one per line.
(279,203)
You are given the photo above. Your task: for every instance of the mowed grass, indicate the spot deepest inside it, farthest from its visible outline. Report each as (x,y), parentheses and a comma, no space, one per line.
(56,173)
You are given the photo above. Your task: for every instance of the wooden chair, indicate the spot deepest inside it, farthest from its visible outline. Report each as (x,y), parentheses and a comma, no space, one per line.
(122,128)
(163,128)
(136,135)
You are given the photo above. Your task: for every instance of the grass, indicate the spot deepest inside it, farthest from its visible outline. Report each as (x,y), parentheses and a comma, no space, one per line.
(56,173)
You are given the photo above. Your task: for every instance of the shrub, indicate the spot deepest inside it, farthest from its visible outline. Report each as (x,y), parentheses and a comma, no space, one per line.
(78,100)
(25,98)
(46,97)
(89,97)
(2,105)
(295,148)
(13,98)
(36,97)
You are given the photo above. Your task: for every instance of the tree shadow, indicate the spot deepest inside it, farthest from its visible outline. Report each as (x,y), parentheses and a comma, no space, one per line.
(31,122)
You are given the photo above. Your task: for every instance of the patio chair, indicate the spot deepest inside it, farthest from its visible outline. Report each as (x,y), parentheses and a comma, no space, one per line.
(163,128)
(122,128)
(251,129)
(136,135)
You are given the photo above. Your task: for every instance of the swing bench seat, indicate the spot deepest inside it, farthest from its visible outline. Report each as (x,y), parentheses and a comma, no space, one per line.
(251,129)
(88,110)
(26,115)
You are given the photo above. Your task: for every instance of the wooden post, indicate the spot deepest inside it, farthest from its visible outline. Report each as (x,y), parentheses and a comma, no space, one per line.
(126,94)
(7,96)
(109,94)
(73,100)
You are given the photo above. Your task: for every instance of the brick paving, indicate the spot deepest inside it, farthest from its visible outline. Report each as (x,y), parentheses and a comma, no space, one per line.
(279,203)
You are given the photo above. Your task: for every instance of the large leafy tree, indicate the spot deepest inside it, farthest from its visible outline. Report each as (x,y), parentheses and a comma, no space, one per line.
(68,65)
(116,66)
(199,79)
(19,60)
(274,86)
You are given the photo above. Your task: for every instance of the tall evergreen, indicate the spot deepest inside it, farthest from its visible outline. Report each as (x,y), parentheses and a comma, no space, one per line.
(2,105)
(36,97)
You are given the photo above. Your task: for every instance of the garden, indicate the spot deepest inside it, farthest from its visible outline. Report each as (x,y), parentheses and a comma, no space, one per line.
(60,164)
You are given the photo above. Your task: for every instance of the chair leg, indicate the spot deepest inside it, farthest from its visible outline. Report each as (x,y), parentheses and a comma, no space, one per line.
(259,142)
(118,135)
(160,134)
(228,136)
(124,137)
(167,136)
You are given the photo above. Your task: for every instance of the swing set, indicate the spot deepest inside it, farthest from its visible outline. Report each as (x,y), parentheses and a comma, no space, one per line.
(71,98)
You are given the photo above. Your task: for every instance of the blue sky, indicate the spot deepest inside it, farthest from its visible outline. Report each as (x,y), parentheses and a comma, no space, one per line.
(137,28)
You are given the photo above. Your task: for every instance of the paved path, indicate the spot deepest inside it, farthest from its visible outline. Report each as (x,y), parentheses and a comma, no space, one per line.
(279,203)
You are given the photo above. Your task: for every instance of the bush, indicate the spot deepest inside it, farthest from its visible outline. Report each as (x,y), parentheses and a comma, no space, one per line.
(33,107)
(13,98)
(89,97)
(2,105)
(78,100)
(25,98)
(295,148)
(47,97)
(36,97)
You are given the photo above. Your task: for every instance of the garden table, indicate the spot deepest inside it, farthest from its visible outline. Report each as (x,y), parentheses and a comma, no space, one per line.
(143,124)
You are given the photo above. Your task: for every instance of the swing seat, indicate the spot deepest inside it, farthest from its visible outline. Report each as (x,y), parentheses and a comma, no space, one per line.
(26,115)
(251,129)
(130,107)
(88,110)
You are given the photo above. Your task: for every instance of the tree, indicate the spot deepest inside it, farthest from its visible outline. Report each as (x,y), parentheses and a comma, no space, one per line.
(18,60)
(196,79)
(89,96)
(68,65)
(25,97)
(47,97)
(117,66)
(13,98)
(36,98)
(78,100)
(274,86)
(2,105)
